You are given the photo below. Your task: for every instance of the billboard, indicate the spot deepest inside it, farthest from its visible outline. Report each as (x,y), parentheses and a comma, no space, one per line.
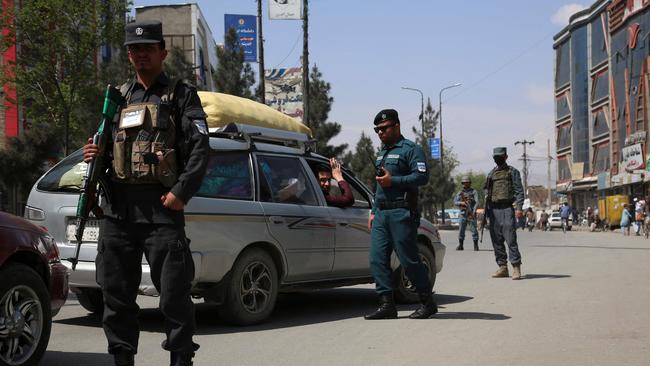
(284,90)
(434,144)
(284,9)
(246,28)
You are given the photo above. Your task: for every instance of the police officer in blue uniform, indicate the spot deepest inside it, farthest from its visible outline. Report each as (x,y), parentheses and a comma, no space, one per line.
(159,150)
(467,201)
(394,220)
(505,197)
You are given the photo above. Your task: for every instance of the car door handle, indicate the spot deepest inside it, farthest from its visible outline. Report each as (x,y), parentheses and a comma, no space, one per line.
(276,219)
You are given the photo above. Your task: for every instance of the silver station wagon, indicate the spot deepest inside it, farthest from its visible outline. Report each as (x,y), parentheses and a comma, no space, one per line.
(258,225)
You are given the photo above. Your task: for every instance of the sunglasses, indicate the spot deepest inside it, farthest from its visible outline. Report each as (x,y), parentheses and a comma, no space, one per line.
(384,127)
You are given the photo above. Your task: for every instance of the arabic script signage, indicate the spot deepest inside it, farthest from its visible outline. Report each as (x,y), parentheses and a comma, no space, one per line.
(632,157)
(285,9)
(284,90)
(246,28)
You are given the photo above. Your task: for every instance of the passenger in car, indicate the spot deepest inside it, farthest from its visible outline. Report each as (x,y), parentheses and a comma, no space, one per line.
(325,175)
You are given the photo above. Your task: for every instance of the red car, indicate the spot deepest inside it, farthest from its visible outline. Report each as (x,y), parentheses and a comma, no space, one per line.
(33,288)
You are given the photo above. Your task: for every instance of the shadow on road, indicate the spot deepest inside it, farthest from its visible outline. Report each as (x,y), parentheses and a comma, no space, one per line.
(470,315)
(57,358)
(532,276)
(586,247)
(292,309)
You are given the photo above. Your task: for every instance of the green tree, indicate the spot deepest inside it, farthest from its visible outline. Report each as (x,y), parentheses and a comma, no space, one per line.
(233,76)
(320,104)
(56,78)
(361,162)
(178,67)
(440,187)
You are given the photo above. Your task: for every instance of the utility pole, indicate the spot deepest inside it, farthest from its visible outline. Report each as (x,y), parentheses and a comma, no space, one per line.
(442,148)
(305,63)
(525,159)
(261,52)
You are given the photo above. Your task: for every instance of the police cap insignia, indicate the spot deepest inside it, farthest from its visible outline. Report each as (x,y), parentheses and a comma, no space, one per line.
(149,31)
(386,115)
(499,151)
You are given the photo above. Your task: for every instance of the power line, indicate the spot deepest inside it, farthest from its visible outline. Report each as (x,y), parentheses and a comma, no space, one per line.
(293,48)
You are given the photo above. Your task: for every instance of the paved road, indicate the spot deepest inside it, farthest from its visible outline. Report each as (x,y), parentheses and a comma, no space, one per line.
(584,300)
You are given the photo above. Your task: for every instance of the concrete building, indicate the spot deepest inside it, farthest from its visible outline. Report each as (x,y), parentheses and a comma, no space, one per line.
(184,26)
(602,102)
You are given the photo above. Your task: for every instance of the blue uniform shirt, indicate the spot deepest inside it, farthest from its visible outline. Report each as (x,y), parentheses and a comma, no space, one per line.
(565,211)
(406,163)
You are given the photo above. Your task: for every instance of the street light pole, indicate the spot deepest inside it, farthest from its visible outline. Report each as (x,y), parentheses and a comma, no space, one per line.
(421,108)
(442,150)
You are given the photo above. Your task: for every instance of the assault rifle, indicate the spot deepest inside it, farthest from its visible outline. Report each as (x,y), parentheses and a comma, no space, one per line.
(96,171)
(486,205)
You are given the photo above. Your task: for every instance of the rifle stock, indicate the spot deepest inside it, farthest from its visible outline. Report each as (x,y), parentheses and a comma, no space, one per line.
(96,168)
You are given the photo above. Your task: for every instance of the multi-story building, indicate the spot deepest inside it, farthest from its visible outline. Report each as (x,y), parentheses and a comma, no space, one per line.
(602,101)
(184,26)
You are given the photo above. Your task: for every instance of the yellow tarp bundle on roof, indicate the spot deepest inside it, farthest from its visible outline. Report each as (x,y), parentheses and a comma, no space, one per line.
(223,109)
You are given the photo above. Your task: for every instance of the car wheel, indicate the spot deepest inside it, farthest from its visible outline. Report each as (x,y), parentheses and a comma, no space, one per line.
(405,291)
(91,299)
(25,316)
(252,290)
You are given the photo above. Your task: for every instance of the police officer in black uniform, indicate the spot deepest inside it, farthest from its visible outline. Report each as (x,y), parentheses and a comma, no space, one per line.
(159,150)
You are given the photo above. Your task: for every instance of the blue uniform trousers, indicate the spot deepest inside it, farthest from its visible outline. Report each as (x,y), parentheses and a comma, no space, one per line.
(472,227)
(502,229)
(396,229)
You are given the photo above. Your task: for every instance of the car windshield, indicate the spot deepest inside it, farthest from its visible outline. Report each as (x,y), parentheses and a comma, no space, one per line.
(65,176)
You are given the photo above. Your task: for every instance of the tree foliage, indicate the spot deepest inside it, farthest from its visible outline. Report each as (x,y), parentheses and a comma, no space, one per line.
(178,67)
(361,162)
(56,77)
(233,76)
(440,187)
(320,104)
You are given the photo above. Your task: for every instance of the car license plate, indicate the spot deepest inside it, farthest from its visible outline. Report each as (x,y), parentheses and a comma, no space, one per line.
(91,231)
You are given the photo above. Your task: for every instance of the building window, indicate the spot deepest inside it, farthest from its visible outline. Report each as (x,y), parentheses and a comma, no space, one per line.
(562,106)
(562,65)
(563,170)
(580,97)
(563,136)
(600,86)
(598,43)
(601,158)
(600,125)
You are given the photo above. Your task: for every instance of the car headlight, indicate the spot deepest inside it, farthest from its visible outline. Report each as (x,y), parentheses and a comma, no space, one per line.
(35,214)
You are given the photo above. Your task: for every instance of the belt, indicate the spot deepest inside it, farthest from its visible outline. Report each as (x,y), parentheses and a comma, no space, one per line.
(387,205)
(501,205)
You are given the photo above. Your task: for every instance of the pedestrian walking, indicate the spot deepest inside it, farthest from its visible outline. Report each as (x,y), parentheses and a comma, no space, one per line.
(565,213)
(394,220)
(159,150)
(626,220)
(504,190)
(467,202)
(530,219)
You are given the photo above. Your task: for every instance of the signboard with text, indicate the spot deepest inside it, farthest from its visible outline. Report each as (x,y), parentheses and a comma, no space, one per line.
(434,145)
(283,89)
(285,9)
(632,157)
(246,28)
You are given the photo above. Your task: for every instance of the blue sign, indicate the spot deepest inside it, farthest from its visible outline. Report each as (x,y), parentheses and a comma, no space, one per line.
(246,28)
(434,144)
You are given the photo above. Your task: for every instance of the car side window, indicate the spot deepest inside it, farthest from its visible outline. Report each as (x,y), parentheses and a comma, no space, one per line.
(360,197)
(228,176)
(67,176)
(283,180)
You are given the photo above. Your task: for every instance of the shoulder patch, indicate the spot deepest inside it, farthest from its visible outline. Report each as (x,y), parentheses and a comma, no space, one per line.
(422,166)
(201,126)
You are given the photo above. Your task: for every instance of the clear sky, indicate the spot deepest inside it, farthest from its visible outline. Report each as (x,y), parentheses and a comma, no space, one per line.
(500,50)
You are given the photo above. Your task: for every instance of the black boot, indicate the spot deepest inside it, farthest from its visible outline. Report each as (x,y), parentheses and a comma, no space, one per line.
(386,310)
(476,245)
(181,358)
(428,307)
(124,358)
(460,245)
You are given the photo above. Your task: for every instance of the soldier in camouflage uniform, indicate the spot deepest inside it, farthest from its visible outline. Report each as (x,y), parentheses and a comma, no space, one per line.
(467,201)
(505,197)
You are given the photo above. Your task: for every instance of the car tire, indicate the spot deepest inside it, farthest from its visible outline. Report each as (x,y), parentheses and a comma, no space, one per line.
(252,289)
(23,297)
(91,299)
(405,292)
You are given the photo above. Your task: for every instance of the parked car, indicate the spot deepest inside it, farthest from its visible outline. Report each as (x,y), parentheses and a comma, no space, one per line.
(555,222)
(259,224)
(452,216)
(33,287)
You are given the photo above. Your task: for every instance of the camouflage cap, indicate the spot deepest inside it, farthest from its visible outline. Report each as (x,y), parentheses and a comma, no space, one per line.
(465,179)
(499,151)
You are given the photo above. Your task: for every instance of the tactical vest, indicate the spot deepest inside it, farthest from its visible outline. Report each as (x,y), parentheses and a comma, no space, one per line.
(502,187)
(144,140)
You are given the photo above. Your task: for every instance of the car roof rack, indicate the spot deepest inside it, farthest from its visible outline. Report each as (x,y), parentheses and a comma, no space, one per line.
(252,134)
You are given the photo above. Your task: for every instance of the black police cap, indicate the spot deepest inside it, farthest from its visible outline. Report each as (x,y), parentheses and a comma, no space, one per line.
(148,31)
(386,115)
